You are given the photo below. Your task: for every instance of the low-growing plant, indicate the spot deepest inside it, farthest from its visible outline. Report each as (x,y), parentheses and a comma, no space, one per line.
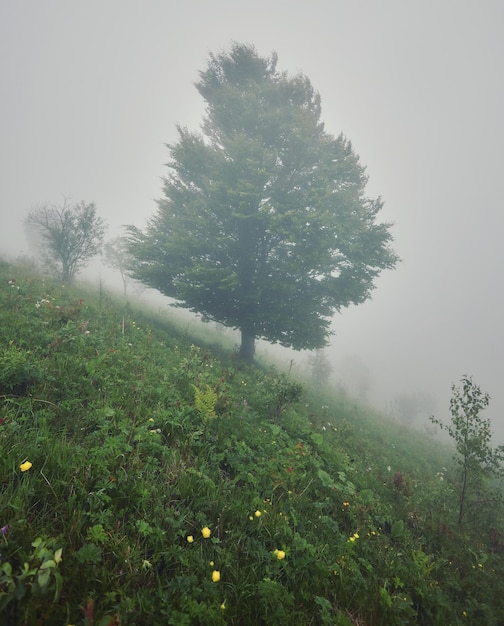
(23,584)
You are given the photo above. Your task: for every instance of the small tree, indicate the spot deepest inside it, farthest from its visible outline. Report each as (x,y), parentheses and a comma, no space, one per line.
(67,236)
(116,256)
(477,460)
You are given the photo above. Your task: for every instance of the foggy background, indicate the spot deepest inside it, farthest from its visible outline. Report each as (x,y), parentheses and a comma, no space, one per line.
(91,92)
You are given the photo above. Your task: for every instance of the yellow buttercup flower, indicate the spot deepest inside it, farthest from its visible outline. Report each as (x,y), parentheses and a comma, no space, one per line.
(257,513)
(215,576)
(190,538)
(24,467)
(206,532)
(280,554)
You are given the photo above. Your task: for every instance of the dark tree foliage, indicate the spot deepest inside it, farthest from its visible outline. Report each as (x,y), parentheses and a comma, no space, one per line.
(67,236)
(264,225)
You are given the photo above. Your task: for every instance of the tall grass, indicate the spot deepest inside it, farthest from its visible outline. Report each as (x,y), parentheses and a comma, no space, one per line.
(314,510)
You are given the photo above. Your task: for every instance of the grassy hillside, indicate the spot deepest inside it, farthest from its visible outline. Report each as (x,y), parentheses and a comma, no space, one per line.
(148,480)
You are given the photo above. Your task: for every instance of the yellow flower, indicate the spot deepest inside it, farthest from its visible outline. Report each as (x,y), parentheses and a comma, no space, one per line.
(206,532)
(190,538)
(280,554)
(211,564)
(257,513)
(215,576)
(223,605)
(24,467)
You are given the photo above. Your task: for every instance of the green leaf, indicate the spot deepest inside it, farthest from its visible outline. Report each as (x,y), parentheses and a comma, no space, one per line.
(89,553)
(326,479)
(275,430)
(366,496)
(397,529)
(58,579)
(7,568)
(43,577)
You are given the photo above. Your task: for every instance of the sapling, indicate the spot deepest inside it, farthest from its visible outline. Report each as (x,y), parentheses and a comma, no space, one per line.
(477,460)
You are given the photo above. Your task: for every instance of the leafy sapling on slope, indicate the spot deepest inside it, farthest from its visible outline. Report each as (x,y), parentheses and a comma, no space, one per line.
(477,461)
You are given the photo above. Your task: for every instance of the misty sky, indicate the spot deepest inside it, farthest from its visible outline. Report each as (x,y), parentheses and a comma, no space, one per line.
(91,92)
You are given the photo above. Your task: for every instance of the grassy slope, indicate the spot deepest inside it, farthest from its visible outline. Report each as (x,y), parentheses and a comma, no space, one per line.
(139,439)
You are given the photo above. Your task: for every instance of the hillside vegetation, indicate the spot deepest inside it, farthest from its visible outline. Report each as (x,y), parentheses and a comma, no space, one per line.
(147,479)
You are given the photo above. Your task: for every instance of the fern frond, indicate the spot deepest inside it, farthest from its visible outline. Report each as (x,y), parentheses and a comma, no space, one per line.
(205,400)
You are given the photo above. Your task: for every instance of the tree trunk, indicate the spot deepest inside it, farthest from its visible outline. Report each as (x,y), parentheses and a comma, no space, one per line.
(247,348)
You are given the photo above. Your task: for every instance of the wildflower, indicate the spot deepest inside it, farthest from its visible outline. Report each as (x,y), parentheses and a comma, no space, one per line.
(4,529)
(151,419)
(257,513)
(223,605)
(345,504)
(211,563)
(215,576)
(289,469)
(206,532)
(190,538)
(280,554)
(24,467)
(250,517)
(354,537)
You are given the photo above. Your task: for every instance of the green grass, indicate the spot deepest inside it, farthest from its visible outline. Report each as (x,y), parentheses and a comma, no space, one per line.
(139,437)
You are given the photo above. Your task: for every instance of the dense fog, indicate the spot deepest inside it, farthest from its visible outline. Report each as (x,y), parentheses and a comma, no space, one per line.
(92,91)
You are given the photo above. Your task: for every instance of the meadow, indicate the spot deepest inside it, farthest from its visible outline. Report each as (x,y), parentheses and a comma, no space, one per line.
(149,477)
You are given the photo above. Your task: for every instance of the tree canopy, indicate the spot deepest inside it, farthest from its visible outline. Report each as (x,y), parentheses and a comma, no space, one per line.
(264,225)
(67,236)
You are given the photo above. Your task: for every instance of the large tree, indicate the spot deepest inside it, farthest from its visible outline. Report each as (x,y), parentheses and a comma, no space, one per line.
(66,236)
(265,225)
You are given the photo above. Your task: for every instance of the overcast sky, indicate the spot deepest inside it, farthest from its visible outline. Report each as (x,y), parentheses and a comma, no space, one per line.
(91,92)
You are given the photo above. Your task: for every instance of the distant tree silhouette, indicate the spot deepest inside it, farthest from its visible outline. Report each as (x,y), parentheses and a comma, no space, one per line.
(67,237)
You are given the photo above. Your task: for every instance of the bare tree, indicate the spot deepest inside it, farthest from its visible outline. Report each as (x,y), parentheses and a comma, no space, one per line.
(66,236)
